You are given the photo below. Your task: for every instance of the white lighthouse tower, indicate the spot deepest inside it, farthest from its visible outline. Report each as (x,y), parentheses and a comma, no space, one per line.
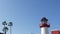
(44,26)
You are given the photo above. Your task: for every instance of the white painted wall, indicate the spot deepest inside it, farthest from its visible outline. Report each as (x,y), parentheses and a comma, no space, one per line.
(44,30)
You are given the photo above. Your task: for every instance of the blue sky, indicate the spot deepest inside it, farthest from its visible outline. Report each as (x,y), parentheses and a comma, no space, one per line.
(26,14)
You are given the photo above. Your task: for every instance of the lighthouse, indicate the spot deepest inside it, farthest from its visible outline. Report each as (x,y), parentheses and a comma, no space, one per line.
(44,26)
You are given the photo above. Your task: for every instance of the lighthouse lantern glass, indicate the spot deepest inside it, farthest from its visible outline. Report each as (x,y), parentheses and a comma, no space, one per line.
(44,22)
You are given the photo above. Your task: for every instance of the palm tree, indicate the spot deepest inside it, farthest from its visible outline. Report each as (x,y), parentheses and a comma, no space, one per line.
(31,32)
(5,29)
(4,23)
(10,24)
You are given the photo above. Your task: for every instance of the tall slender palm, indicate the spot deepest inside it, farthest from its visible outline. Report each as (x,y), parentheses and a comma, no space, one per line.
(31,33)
(5,29)
(4,23)
(10,24)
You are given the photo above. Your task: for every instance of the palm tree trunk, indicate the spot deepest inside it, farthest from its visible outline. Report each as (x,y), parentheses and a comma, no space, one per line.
(5,32)
(10,30)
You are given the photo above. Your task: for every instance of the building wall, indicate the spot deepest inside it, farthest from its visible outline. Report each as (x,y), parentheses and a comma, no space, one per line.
(44,30)
(1,33)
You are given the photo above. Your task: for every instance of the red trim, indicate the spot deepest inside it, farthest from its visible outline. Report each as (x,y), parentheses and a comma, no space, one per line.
(44,25)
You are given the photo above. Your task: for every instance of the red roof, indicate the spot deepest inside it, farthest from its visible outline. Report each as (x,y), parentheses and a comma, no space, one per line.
(55,32)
